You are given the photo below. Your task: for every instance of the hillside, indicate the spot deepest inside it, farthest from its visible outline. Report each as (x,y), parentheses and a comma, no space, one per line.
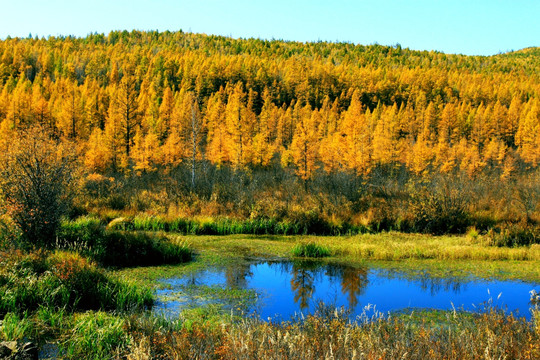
(235,119)
(261,93)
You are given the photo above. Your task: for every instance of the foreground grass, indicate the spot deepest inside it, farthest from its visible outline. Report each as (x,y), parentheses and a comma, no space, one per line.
(207,333)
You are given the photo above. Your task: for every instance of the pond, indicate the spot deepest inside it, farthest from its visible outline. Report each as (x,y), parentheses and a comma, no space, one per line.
(282,289)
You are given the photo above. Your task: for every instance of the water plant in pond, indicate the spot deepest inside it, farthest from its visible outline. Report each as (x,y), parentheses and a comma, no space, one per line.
(535,297)
(311,250)
(177,299)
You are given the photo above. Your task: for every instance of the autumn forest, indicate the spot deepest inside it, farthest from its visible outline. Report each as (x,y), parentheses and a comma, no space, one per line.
(174,122)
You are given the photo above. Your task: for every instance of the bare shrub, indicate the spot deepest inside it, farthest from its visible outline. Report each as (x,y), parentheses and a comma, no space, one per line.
(35,174)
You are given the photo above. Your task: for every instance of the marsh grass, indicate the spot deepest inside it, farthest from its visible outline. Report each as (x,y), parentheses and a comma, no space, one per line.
(383,247)
(95,335)
(115,248)
(304,224)
(63,280)
(329,334)
(443,255)
(311,250)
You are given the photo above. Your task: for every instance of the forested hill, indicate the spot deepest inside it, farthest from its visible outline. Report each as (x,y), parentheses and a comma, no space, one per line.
(146,101)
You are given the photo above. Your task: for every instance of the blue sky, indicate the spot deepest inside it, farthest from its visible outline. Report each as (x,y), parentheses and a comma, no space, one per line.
(475,27)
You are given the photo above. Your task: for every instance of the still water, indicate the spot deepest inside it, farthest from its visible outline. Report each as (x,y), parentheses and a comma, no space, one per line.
(282,289)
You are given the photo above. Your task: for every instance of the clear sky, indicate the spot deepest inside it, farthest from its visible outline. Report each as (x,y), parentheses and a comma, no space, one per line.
(475,27)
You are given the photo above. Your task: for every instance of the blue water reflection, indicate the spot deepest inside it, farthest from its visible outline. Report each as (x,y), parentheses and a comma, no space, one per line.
(287,288)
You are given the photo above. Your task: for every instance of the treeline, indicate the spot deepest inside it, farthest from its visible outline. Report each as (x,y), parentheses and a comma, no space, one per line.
(144,101)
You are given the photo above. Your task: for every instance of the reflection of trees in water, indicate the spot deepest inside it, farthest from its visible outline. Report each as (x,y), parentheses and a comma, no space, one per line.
(235,276)
(427,282)
(353,281)
(302,285)
(304,275)
(435,285)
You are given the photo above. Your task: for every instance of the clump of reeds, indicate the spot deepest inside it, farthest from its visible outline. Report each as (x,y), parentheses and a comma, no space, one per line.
(311,250)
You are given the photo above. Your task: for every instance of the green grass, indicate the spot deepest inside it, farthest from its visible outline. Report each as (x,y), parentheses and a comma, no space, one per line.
(15,327)
(311,250)
(95,335)
(116,248)
(68,281)
(302,225)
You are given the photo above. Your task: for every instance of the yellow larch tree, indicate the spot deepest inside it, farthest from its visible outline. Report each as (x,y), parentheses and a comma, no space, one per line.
(124,110)
(263,147)
(304,147)
(145,153)
(447,138)
(510,126)
(355,139)
(237,127)
(384,144)
(217,151)
(97,157)
(528,134)
(21,101)
(71,111)
(166,108)
(40,107)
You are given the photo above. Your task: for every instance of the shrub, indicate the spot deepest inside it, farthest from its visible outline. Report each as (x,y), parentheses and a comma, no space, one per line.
(35,174)
(10,235)
(522,234)
(439,212)
(310,223)
(97,185)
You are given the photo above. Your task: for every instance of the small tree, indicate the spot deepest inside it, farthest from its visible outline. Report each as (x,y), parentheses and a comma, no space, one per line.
(35,174)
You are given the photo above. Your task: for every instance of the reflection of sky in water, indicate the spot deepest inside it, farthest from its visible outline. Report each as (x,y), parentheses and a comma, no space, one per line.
(286,288)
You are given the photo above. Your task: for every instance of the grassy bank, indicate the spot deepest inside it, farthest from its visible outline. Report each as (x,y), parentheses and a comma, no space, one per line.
(438,255)
(382,246)
(67,281)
